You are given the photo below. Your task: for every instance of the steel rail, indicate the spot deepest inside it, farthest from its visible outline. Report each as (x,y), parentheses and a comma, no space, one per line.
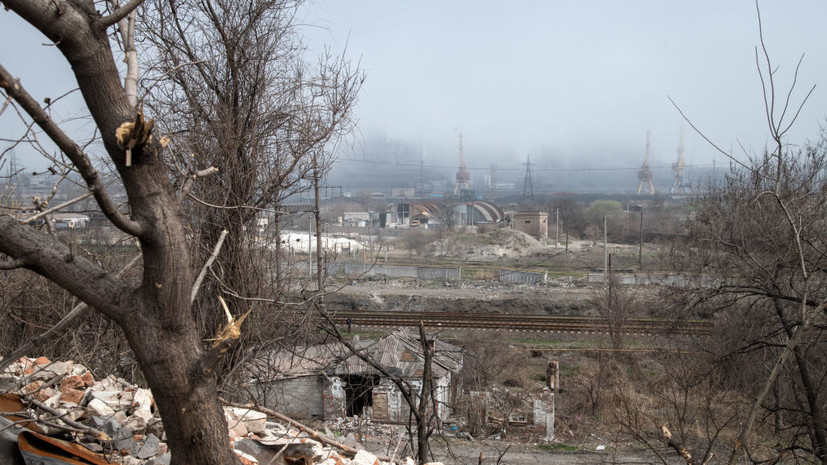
(540,323)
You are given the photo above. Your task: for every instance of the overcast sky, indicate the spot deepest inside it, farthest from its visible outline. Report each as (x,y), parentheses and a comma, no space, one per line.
(585,77)
(582,78)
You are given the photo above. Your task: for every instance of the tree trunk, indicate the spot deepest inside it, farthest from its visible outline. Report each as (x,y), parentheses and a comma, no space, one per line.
(423,423)
(815,419)
(185,392)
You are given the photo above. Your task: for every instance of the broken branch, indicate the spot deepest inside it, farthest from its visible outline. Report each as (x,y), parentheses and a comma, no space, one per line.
(666,438)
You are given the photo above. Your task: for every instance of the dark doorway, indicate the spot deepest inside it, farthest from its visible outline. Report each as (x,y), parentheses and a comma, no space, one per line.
(359,393)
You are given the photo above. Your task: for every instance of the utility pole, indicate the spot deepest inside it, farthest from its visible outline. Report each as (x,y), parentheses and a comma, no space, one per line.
(317,212)
(310,251)
(640,247)
(493,181)
(421,179)
(278,249)
(557,228)
(605,250)
(609,278)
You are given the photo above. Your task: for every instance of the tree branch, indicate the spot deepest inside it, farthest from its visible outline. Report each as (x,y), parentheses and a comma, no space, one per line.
(31,344)
(119,14)
(98,434)
(208,264)
(10,265)
(52,259)
(72,150)
(56,208)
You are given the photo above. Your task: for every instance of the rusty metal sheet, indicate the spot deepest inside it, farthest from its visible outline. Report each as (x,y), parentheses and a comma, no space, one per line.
(12,403)
(38,449)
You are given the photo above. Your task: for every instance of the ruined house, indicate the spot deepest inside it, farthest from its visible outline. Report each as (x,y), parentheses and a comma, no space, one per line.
(328,381)
(533,223)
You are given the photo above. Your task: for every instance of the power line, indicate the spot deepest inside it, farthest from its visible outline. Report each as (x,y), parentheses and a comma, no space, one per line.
(534,169)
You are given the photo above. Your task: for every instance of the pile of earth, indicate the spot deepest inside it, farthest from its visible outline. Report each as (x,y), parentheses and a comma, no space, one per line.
(491,245)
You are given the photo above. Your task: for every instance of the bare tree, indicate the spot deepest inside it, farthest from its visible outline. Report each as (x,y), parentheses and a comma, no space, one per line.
(760,236)
(230,81)
(155,315)
(687,409)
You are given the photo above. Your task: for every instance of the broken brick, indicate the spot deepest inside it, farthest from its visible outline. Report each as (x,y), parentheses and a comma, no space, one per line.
(71,395)
(72,382)
(88,379)
(32,387)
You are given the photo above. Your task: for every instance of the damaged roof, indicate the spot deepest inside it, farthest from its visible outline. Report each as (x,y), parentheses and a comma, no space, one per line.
(399,353)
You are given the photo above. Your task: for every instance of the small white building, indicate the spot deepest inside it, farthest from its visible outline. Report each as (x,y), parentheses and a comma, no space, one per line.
(70,221)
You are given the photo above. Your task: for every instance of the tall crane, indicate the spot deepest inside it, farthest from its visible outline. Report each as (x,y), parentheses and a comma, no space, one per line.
(645,173)
(462,175)
(678,167)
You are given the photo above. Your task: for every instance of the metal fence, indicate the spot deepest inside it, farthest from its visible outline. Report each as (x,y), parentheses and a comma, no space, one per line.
(522,277)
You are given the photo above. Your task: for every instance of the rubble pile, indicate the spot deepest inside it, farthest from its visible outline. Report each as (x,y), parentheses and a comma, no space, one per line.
(492,245)
(117,419)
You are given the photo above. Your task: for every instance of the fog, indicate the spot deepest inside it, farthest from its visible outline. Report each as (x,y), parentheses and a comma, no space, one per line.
(576,85)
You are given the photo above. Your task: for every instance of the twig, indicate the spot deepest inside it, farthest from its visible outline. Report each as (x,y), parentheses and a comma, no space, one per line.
(83,428)
(57,207)
(207,265)
(239,207)
(65,321)
(312,432)
(398,443)
(5,104)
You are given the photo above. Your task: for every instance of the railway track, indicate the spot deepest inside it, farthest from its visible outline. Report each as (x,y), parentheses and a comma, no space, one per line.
(538,323)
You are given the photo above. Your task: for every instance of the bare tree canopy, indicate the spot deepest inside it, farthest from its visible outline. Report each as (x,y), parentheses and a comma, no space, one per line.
(229,81)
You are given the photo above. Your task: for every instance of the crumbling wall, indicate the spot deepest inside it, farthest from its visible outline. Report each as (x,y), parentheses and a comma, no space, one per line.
(544,414)
(299,397)
(443,397)
(333,398)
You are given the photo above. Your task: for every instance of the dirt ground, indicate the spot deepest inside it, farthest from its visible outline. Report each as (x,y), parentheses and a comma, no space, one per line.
(552,298)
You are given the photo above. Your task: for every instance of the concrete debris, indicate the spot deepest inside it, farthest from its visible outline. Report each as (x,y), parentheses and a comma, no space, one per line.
(364,457)
(255,422)
(128,416)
